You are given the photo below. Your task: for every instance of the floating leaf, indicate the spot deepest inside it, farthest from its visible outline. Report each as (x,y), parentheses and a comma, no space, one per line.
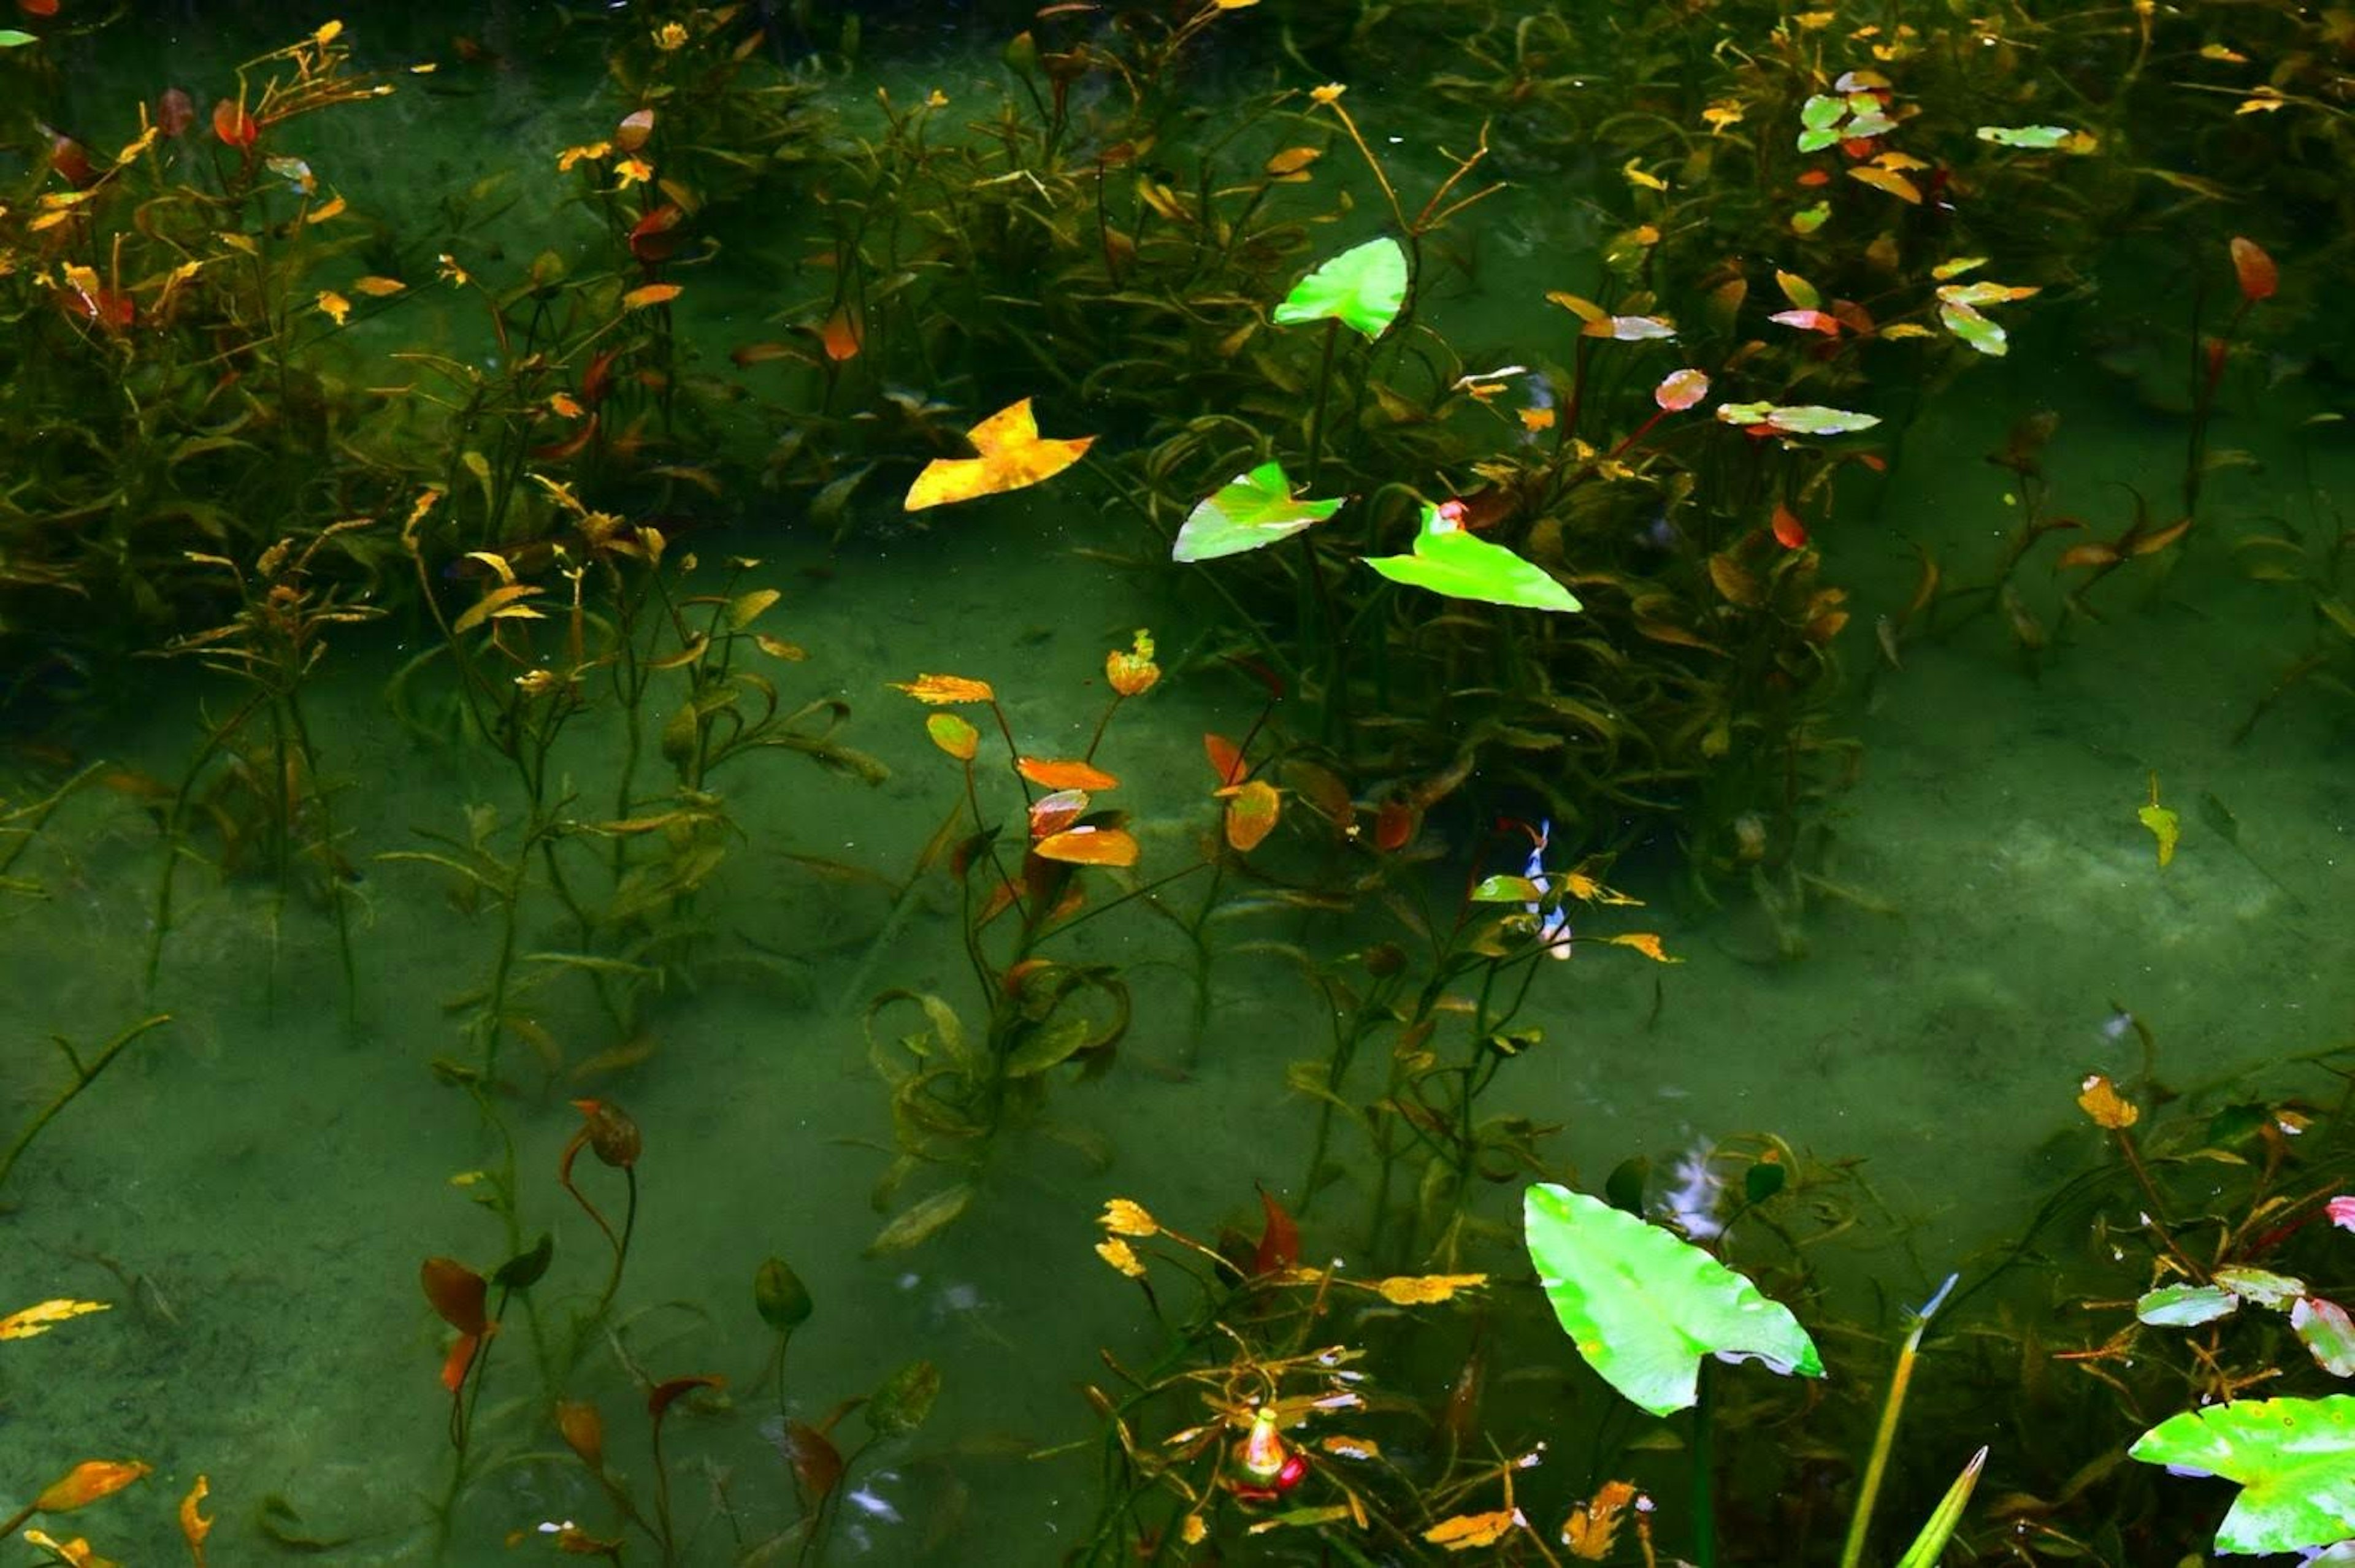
(938,689)
(2185,1305)
(1642,1306)
(42,1316)
(2099,1099)
(920,1223)
(1448,560)
(2037,138)
(953,735)
(1013,457)
(1085,846)
(1252,812)
(1802,419)
(1887,180)
(2294,1460)
(903,1400)
(1363,288)
(1250,511)
(1065,774)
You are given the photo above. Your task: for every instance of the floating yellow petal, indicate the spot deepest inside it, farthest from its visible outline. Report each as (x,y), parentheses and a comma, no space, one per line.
(45,1315)
(1013,456)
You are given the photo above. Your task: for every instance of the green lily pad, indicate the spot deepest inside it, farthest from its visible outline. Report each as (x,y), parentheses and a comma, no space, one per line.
(1362,288)
(1643,1308)
(2294,1460)
(1250,511)
(1451,561)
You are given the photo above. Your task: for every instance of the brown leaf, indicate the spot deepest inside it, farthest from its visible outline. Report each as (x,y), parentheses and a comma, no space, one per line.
(457,1293)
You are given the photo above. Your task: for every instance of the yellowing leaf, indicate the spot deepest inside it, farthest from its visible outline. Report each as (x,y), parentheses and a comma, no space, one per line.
(1252,812)
(953,735)
(378,288)
(333,306)
(2164,825)
(74,1554)
(939,689)
(1645,943)
(1466,1531)
(87,1482)
(1049,774)
(2100,1099)
(42,1316)
(1013,456)
(501,603)
(648,295)
(1420,1290)
(1590,1527)
(1088,847)
(194,1526)
(1887,180)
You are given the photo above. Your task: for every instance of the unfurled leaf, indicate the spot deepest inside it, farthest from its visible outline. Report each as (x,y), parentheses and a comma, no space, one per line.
(1802,419)
(1939,1528)
(1680,390)
(1279,1237)
(1085,846)
(1226,760)
(1423,1289)
(1887,180)
(1808,321)
(817,1462)
(2294,1458)
(1013,456)
(1250,511)
(87,1482)
(378,288)
(2038,138)
(2254,269)
(42,1316)
(1050,814)
(1363,288)
(940,689)
(2263,1286)
(840,338)
(920,1223)
(953,735)
(2184,1306)
(1252,812)
(1967,323)
(1466,1531)
(1506,890)
(1590,1525)
(1448,560)
(457,1293)
(2100,1098)
(648,295)
(1789,531)
(2327,1333)
(1070,774)
(1642,1306)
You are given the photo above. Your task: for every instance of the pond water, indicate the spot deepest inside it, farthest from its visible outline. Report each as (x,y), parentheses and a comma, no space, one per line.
(1977,921)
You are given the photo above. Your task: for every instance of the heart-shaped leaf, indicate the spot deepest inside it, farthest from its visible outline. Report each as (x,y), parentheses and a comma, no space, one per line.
(1449,561)
(1643,1308)
(1013,456)
(2294,1460)
(1250,511)
(1362,288)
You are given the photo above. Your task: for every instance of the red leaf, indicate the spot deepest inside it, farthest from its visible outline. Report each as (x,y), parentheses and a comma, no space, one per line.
(234,127)
(1789,532)
(1279,1242)
(460,1361)
(457,1294)
(649,241)
(663,1394)
(1226,760)
(1394,826)
(2254,269)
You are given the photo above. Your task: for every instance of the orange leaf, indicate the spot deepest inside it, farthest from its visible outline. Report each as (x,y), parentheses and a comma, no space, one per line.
(376,287)
(2255,268)
(87,1482)
(1423,1289)
(816,1462)
(1590,1527)
(953,735)
(1279,1238)
(460,1361)
(651,294)
(2152,544)
(1645,943)
(1395,823)
(1252,812)
(661,1397)
(2100,1098)
(74,1554)
(1469,1529)
(842,339)
(1789,531)
(233,125)
(1065,774)
(1013,456)
(1226,760)
(938,689)
(457,1293)
(2098,553)
(194,1526)
(1088,847)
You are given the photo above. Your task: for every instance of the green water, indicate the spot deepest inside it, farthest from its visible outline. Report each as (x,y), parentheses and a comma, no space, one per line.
(252,1187)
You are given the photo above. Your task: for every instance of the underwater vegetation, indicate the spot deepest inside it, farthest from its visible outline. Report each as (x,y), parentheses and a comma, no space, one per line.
(1483,585)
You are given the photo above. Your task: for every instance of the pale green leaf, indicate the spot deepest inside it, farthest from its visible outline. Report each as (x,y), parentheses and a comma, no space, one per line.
(1250,511)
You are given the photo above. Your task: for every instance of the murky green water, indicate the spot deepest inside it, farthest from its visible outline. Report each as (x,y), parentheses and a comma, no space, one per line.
(252,1187)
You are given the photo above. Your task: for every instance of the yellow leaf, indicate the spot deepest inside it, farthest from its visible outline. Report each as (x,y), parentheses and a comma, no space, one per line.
(2100,1099)
(1088,847)
(939,689)
(499,601)
(45,1315)
(331,208)
(953,735)
(327,33)
(1590,1527)
(1421,1290)
(1466,1531)
(2164,825)
(1051,774)
(648,295)
(1293,162)
(194,1526)
(74,1554)
(333,306)
(1887,180)
(378,288)
(1634,174)
(1347,1446)
(87,1482)
(1012,456)
(778,648)
(1645,943)
(1252,812)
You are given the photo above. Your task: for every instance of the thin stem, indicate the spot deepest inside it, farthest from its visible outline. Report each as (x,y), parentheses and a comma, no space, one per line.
(84,1076)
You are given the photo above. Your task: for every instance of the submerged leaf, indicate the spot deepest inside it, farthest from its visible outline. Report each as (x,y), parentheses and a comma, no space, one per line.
(89,1481)
(1449,561)
(2100,1098)
(1085,846)
(1252,812)
(1070,774)
(1802,419)
(2185,1305)
(1363,288)
(42,1316)
(953,735)
(920,1223)
(1248,512)
(938,689)
(1642,1306)
(1013,457)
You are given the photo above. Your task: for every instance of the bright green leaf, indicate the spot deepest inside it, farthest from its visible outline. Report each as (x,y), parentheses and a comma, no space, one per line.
(1923,1552)
(1642,1306)
(1250,511)
(1362,288)
(10,38)
(2038,138)
(1973,328)
(2185,1305)
(2294,1460)
(1451,561)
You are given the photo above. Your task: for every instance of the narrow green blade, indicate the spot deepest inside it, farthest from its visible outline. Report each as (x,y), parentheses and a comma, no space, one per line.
(1934,1535)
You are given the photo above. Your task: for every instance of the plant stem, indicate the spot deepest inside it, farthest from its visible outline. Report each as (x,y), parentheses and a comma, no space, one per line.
(1704,1469)
(83,1078)
(1885,1438)
(1324,385)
